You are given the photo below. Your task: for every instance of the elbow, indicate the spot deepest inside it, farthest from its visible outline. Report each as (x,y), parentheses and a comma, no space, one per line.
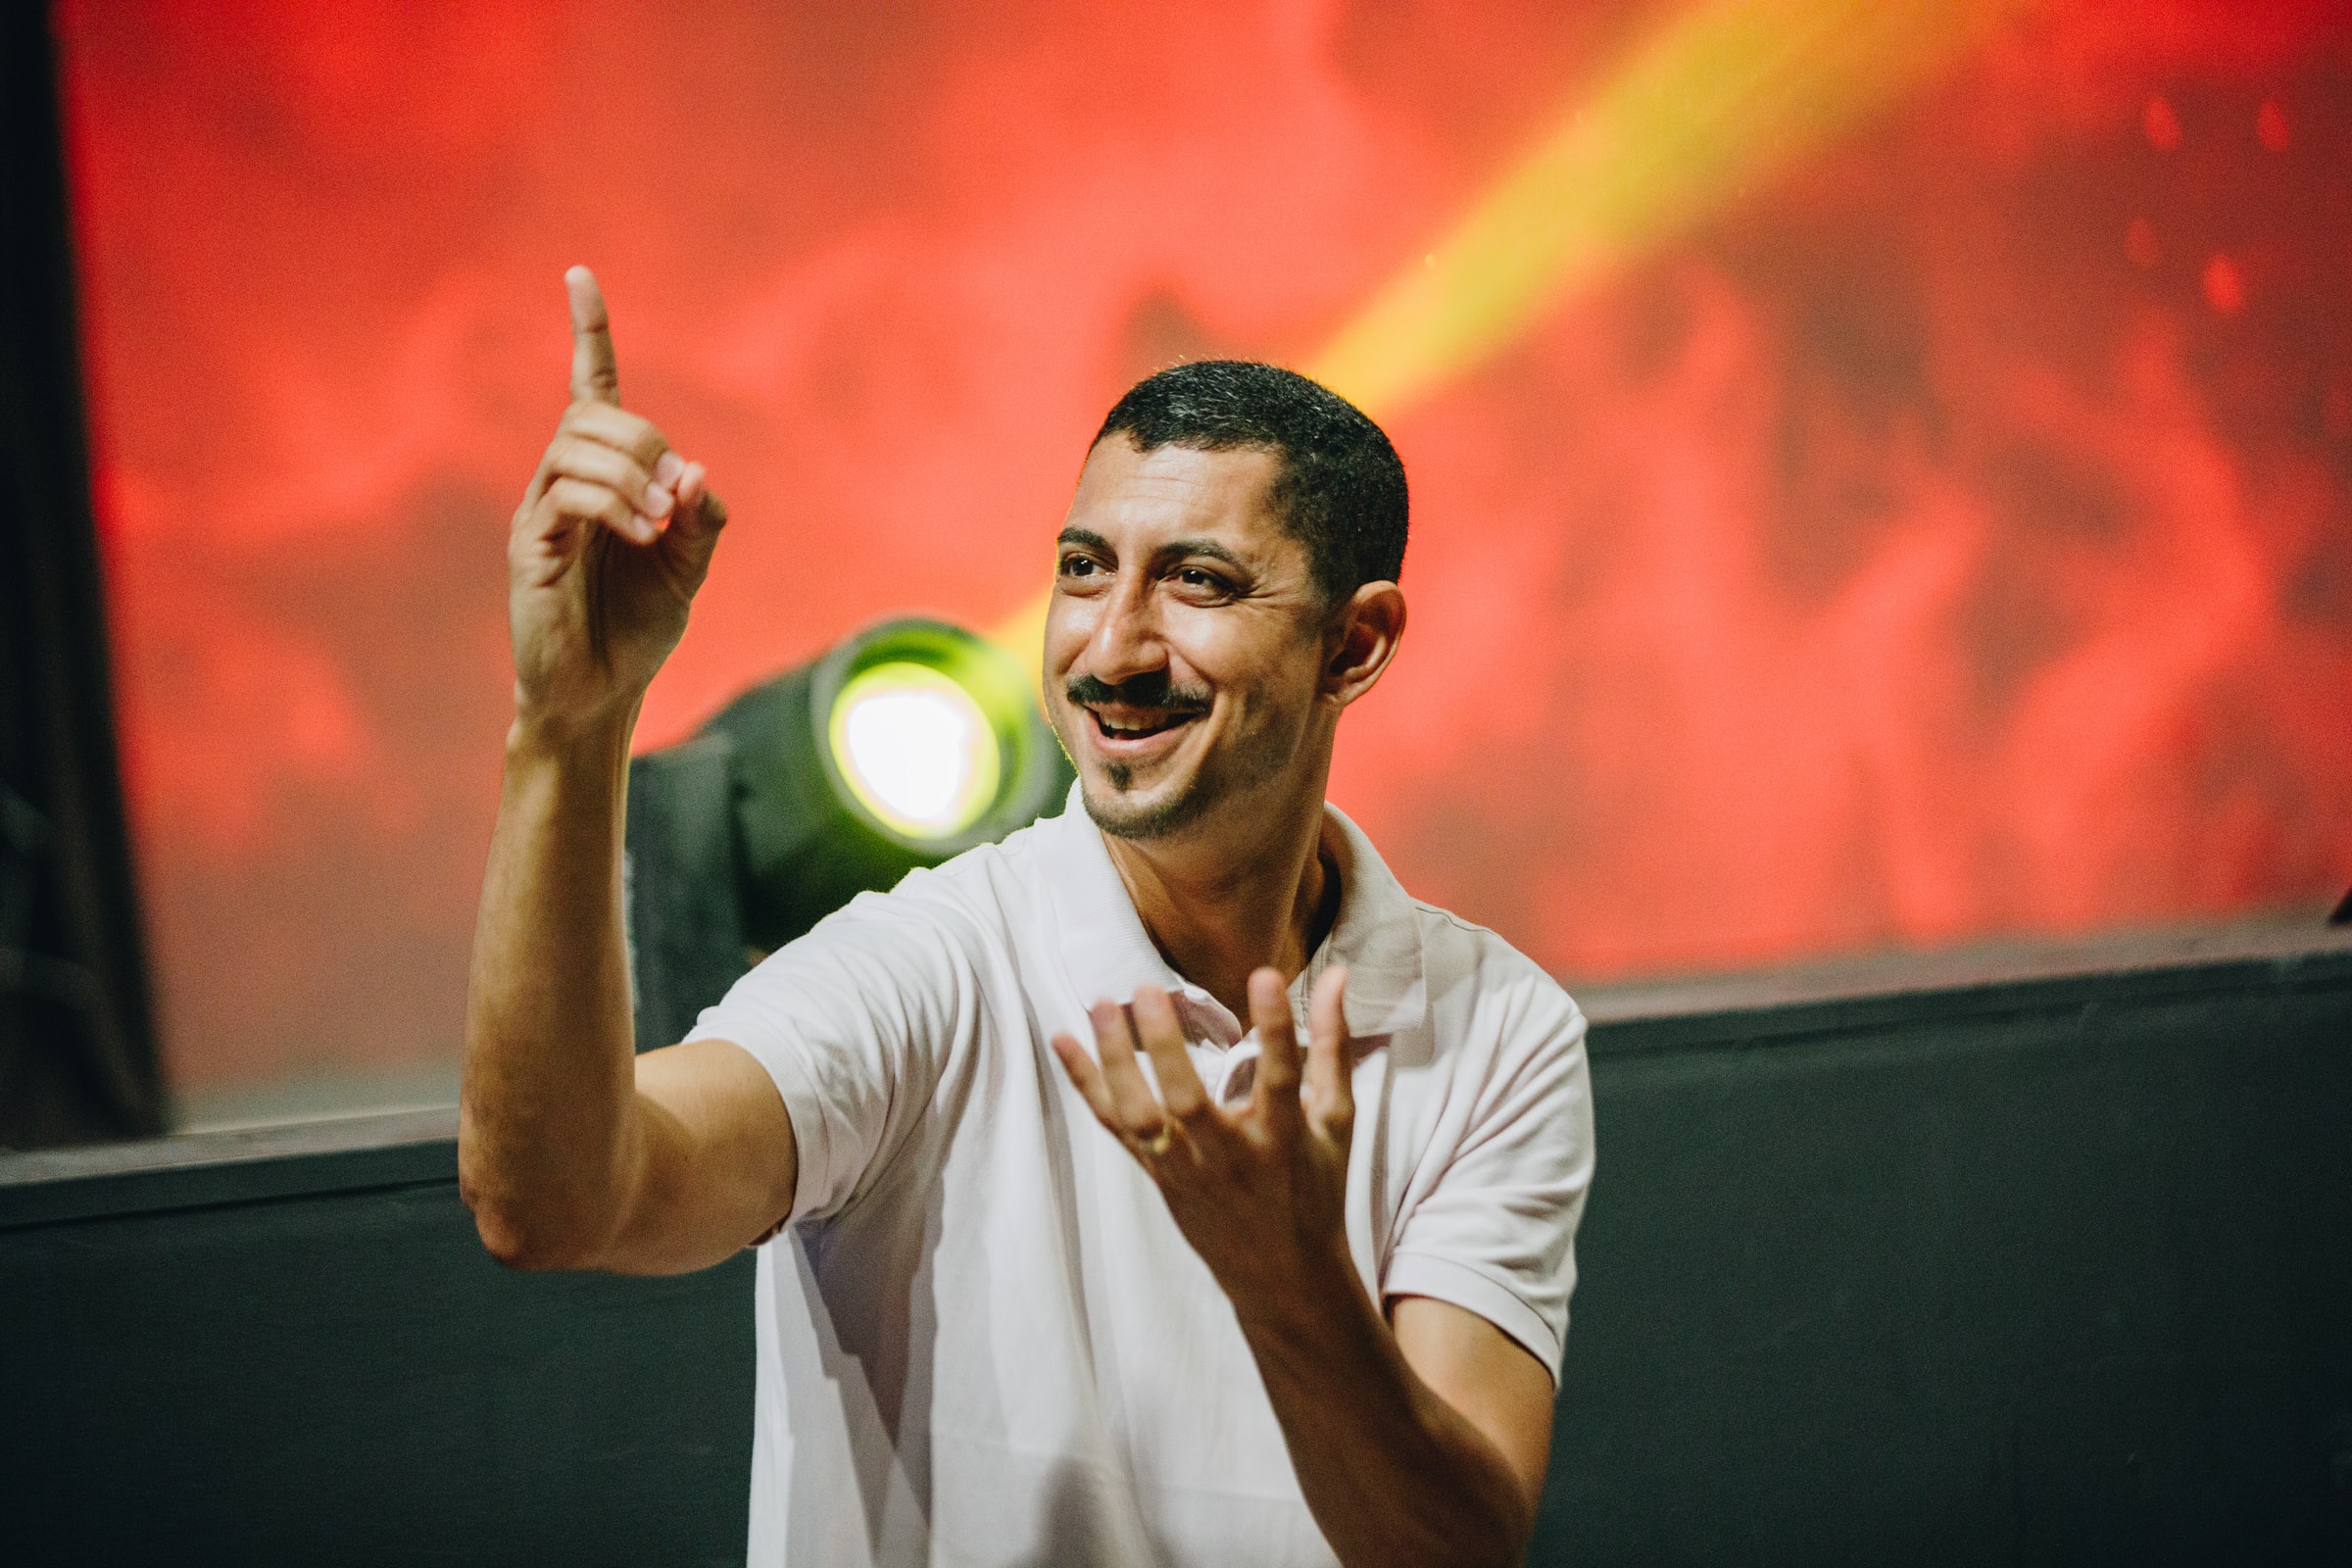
(520,1237)
(528,1248)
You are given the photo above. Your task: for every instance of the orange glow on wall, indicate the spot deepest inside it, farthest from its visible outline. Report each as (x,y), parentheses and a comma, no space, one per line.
(1912,542)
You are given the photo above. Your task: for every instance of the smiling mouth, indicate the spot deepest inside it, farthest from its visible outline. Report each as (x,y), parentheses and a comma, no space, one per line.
(1138,726)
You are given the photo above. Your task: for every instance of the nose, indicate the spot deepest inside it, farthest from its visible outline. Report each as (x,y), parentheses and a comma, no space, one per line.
(1125,641)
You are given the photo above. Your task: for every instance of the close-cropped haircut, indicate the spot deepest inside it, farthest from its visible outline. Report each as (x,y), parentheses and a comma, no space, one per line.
(1339,490)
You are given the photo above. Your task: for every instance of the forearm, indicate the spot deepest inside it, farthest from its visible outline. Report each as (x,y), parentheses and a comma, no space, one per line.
(1392,1472)
(548,1122)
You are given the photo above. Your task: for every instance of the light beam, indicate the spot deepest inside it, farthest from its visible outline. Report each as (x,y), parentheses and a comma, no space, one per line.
(1719,99)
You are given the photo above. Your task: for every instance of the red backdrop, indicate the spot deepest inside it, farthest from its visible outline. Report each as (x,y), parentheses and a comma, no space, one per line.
(1943,536)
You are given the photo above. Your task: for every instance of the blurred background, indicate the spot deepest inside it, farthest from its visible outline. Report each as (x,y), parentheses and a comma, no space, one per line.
(1881,473)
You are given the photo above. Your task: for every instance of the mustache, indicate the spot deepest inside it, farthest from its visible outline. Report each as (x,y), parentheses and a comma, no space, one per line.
(1142,691)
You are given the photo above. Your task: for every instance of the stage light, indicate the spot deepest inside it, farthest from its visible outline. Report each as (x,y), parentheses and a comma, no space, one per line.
(906,744)
(915,750)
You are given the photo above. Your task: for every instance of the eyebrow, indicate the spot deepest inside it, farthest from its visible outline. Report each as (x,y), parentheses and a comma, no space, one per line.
(1201,546)
(1214,551)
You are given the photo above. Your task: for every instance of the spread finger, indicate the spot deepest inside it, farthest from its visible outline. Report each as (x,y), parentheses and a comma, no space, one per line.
(1132,1101)
(1332,1093)
(1162,1037)
(1087,1079)
(1277,1090)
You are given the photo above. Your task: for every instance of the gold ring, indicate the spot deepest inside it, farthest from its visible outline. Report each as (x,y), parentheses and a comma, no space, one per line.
(1157,1144)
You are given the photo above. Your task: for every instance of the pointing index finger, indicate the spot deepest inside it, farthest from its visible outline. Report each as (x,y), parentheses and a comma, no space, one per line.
(595,373)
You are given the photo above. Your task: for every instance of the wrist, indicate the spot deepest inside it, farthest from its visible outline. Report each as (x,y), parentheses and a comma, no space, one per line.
(540,735)
(1319,1288)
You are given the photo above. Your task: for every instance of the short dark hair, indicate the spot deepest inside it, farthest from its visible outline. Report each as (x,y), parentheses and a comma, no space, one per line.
(1341,490)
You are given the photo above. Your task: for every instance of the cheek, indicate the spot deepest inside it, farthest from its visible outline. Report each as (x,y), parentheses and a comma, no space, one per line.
(1209,648)
(1263,687)
(1278,703)
(1068,627)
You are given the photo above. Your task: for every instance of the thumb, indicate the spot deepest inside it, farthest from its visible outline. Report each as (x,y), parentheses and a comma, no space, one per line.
(595,373)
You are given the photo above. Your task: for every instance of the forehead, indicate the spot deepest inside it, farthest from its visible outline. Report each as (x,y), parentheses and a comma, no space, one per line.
(1138,499)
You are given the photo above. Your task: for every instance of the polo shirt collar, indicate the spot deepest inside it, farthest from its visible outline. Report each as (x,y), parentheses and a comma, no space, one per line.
(1377,936)
(1108,953)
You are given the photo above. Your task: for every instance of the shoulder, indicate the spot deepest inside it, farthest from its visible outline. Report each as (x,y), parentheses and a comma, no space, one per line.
(912,957)
(1479,992)
(1504,1035)
(1473,973)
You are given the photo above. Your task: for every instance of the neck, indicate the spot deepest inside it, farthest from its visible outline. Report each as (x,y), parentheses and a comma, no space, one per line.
(1231,899)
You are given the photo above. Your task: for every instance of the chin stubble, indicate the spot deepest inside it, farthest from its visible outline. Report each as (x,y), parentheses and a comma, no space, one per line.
(1147,822)
(1251,766)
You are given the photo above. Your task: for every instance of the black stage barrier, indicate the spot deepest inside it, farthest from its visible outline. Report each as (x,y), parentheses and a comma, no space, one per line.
(2044,1270)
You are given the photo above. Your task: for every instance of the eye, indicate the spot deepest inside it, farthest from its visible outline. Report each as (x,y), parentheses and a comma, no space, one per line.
(1202,579)
(1075,566)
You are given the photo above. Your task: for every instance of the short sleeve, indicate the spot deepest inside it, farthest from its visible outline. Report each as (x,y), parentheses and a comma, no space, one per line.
(1495,1232)
(852,1021)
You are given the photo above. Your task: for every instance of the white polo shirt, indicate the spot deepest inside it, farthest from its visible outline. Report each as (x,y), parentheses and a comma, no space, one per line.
(983,1339)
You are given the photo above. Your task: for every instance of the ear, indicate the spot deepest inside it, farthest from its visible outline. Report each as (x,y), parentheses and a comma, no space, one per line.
(1362,639)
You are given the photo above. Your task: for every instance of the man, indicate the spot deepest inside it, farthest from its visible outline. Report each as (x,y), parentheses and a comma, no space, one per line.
(1077,1269)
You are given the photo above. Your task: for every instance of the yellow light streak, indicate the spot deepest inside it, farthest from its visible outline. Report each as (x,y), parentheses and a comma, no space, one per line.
(1721,97)
(1724,95)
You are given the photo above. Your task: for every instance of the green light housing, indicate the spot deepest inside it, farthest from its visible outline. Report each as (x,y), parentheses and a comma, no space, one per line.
(904,746)
(932,737)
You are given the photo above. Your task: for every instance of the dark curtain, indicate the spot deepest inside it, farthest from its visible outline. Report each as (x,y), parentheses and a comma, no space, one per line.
(77,1053)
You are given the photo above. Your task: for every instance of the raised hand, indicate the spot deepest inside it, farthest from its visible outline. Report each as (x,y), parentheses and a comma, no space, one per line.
(612,540)
(1260,1191)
